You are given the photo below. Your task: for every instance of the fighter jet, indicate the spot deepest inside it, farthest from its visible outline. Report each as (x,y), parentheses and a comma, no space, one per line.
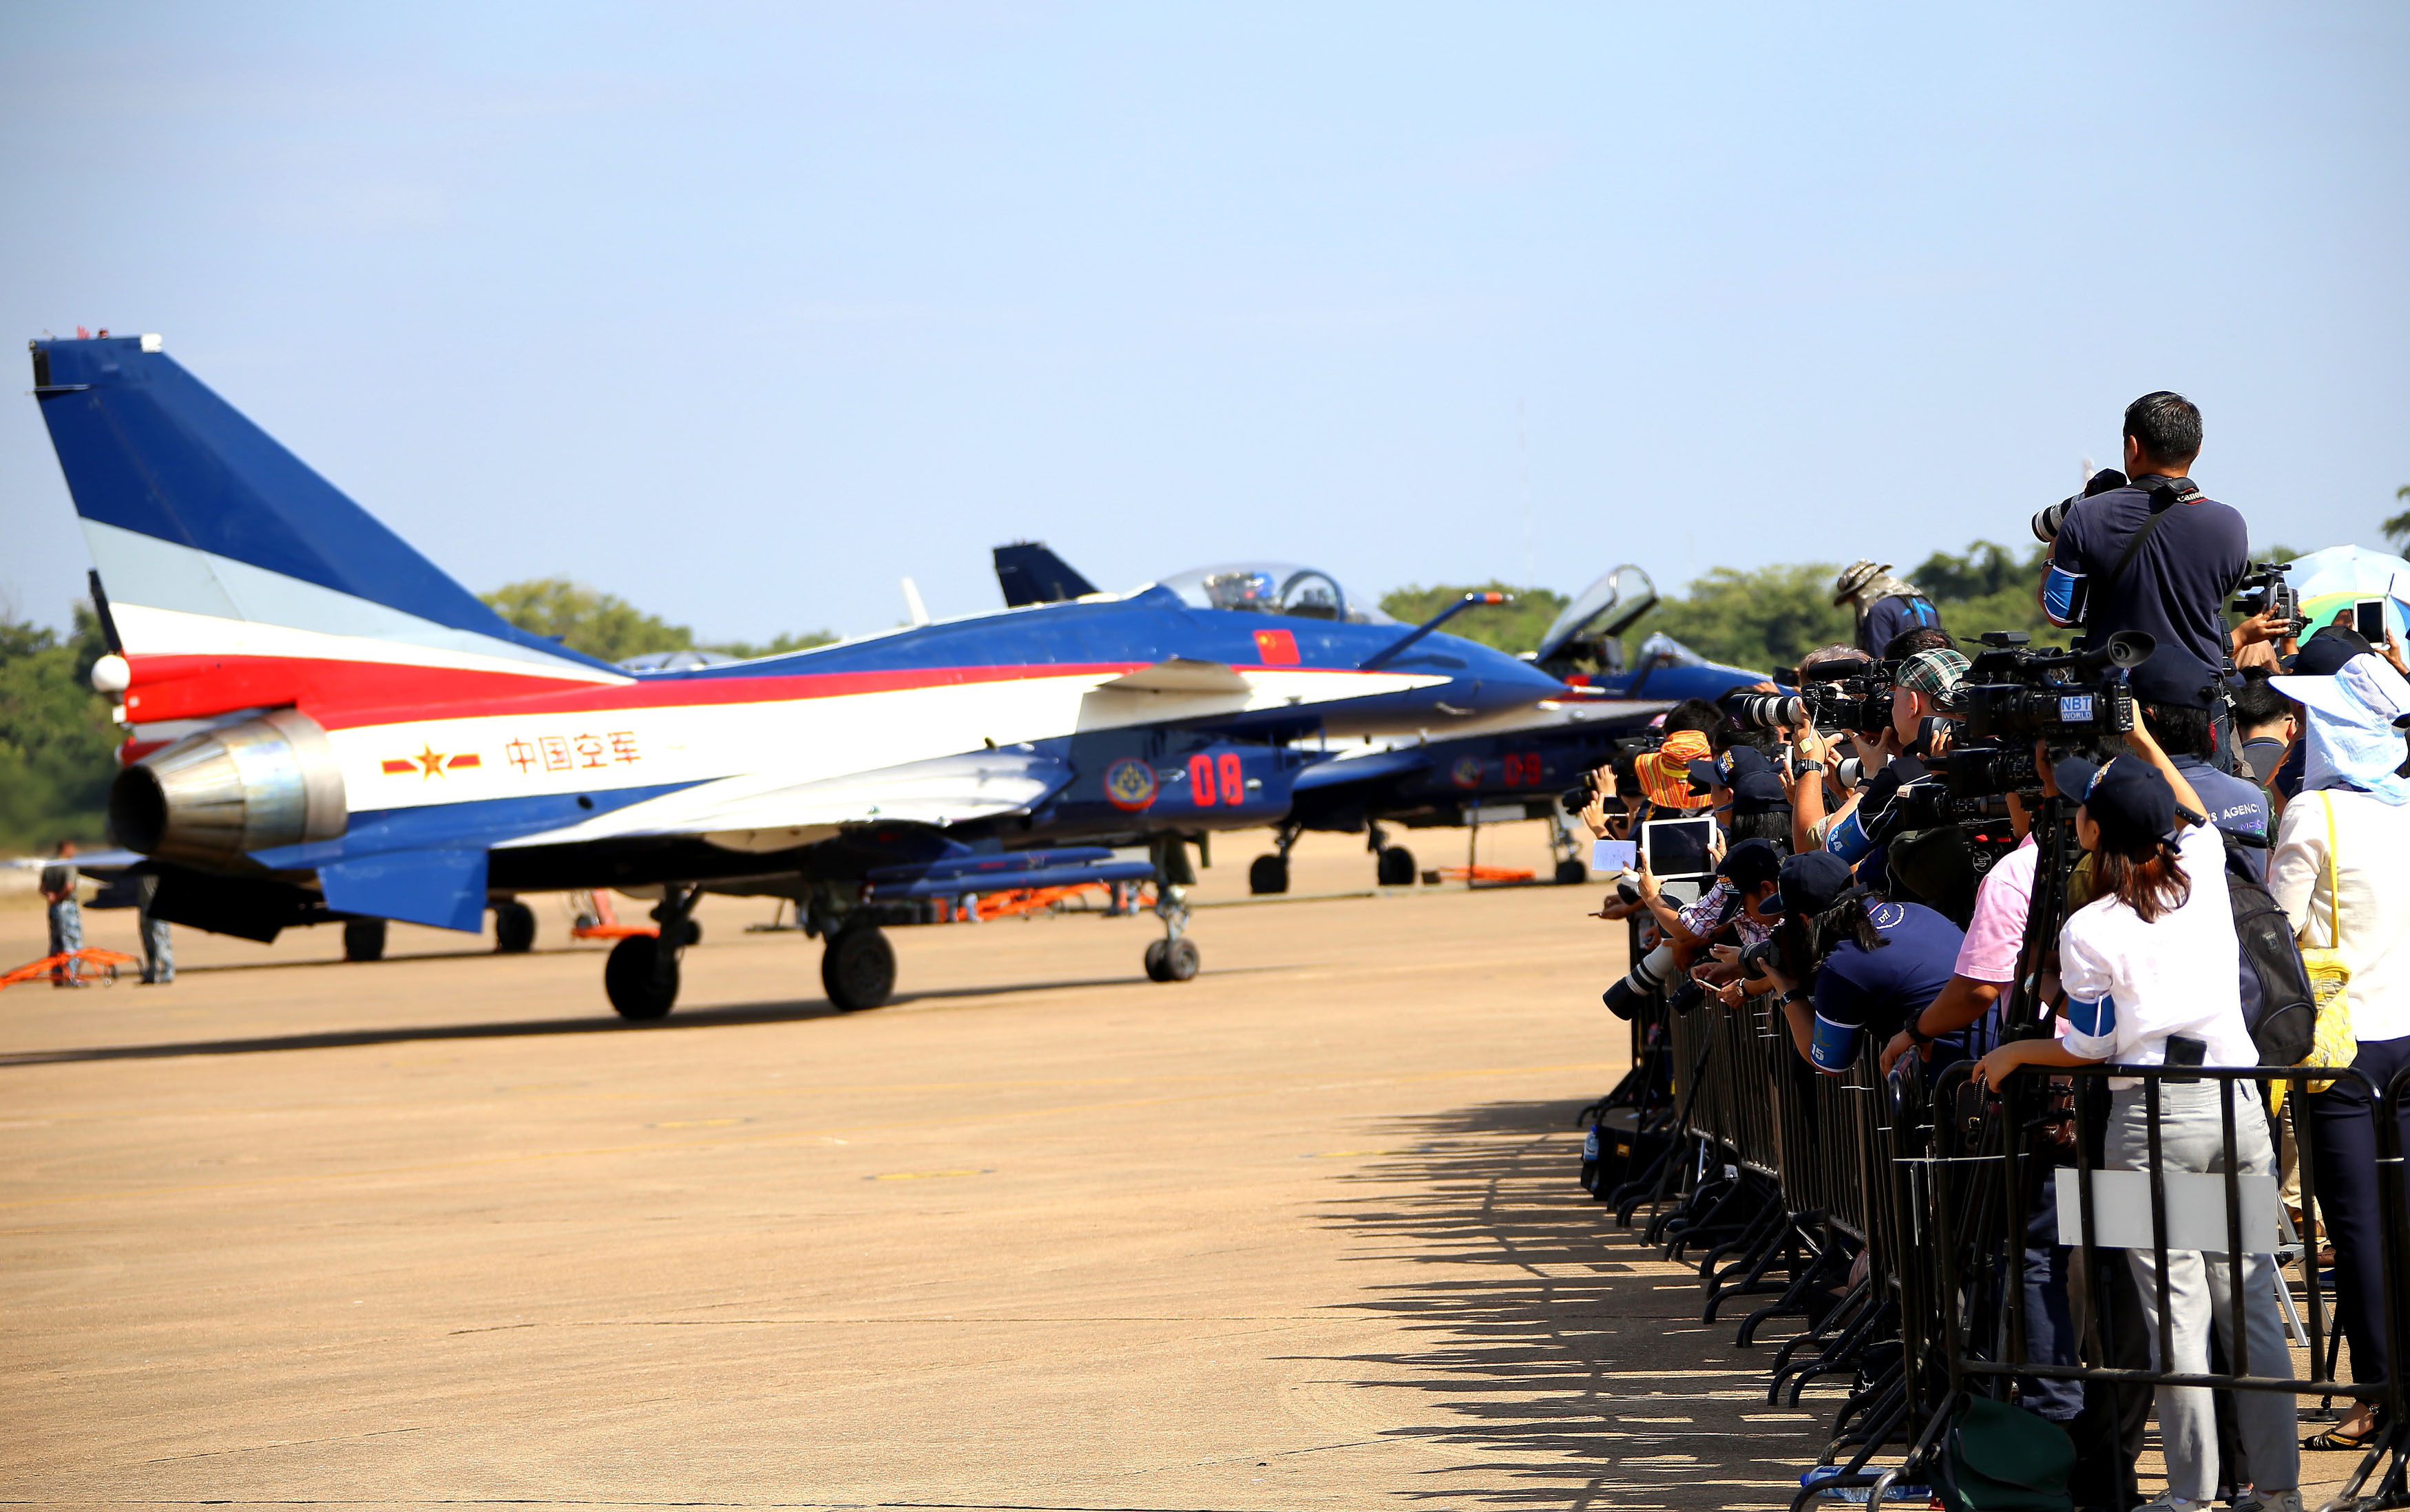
(323,725)
(1496,768)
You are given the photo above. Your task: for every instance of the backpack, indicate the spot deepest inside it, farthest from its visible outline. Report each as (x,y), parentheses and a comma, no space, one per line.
(2278,1006)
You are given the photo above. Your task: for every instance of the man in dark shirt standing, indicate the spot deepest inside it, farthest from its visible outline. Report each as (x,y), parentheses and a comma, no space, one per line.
(2173,582)
(65,915)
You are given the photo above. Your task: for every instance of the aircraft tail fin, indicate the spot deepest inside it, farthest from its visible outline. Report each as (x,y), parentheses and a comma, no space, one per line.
(236,578)
(1030,573)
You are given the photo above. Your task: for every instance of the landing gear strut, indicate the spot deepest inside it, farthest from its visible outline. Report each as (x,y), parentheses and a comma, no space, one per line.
(1395,867)
(1270,874)
(1572,870)
(640,978)
(363,939)
(1174,957)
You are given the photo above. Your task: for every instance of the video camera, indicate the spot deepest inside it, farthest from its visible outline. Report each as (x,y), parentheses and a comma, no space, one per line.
(2014,695)
(2264,590)
(1837,697)
(1620,756)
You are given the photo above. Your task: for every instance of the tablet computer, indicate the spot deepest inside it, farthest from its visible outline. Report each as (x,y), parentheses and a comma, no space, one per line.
(1678,847)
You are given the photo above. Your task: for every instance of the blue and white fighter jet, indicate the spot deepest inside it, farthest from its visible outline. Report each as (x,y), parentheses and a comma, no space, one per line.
(323,725)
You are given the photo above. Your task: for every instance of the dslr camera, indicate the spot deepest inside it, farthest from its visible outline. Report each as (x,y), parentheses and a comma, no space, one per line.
(1837,697)
(2047,521)
(2014,695)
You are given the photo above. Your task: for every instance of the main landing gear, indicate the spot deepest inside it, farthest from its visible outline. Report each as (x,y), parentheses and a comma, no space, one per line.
(513,928)
(858,967)
(640,978)
(1572,870)
(1395,863)
(363,939)
(1175,956)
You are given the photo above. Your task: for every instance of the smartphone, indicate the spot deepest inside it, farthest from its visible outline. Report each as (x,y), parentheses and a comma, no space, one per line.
(2368,617)
(1678,847)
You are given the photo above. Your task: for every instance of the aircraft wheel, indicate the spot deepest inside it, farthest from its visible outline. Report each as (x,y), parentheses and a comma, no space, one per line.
(513,929)
(1397,868)
(1269,874)
(1180,960)
(1571,872)
(363,939)
(1154,949)
(858,968)
(693,932)
(629,982)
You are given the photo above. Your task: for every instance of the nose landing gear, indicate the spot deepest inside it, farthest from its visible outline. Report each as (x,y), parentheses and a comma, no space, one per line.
(640,978)
(1175,956)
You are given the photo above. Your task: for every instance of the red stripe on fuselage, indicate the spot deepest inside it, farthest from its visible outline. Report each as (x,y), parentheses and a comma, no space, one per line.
(703,691)
(196,687)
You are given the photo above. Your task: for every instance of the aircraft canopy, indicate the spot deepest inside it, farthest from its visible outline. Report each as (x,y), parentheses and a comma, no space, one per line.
(1272,587)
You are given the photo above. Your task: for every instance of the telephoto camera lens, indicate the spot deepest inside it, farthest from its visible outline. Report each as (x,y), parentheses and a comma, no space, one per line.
(1647,976)
(1766,711)
(2047,521)
(1627,886)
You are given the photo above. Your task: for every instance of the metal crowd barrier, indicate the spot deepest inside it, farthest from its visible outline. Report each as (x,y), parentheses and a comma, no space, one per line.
(1908,1197)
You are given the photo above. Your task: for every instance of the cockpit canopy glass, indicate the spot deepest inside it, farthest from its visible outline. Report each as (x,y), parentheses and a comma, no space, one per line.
(1272,587)
(1626,588)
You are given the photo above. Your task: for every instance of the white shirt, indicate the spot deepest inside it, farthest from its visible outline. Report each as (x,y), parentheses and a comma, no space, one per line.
(2373,867)
(2175,975)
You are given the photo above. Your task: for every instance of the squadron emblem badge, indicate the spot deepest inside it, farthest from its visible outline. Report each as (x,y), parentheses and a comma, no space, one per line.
(1129,784)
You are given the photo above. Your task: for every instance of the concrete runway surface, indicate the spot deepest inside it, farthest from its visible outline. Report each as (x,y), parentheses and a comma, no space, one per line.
(440,1231)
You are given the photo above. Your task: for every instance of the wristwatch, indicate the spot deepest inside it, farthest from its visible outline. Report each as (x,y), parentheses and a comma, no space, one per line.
(1916,1035)
(1796,994)
(1808,766)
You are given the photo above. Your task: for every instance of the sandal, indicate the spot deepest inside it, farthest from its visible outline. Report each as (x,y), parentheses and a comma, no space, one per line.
(2335,1439)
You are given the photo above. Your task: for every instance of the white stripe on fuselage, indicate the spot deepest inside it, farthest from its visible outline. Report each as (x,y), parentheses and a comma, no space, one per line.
(743,753)
(150,632)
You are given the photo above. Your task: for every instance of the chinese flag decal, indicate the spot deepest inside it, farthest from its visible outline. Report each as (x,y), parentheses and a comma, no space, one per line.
(1277,648)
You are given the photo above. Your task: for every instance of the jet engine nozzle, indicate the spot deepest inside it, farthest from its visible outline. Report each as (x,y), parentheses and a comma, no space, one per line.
(214,796)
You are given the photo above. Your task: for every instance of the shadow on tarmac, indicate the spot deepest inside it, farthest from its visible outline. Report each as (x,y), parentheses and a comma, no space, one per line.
(728,1016)
(1546,1346)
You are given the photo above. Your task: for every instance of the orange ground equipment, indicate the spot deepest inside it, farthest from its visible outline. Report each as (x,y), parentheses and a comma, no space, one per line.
(1470,875)
(84,965)
(595,920)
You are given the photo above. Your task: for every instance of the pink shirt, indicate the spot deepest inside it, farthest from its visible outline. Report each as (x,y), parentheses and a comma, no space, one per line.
(1998,930)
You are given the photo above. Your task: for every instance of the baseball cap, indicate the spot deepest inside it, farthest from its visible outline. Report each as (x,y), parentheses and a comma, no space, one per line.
(2328,652)
(2174,678)
(1809,882)
(1937,671)
(1752,778)
(1751,864)
(2127,797)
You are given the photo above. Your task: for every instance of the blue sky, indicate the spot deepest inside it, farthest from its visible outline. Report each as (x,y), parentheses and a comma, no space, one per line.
(743,311)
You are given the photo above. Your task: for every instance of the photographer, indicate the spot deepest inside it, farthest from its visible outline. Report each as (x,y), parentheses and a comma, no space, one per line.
(2264,724)
(1924,691)
(2149,977)
(2153,554)
(1886,607)
(1852,964)
(1746,793)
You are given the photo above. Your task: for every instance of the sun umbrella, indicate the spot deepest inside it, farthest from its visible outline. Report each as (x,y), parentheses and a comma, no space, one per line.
(2331,581)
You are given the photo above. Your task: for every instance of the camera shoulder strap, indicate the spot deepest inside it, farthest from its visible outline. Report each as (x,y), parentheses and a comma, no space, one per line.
(2164,496)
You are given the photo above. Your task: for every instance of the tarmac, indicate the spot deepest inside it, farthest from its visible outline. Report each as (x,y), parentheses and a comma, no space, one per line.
(440,1231)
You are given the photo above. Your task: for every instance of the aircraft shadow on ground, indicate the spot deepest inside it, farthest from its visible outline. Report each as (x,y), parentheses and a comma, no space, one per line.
(1516,1363)
(733,1015)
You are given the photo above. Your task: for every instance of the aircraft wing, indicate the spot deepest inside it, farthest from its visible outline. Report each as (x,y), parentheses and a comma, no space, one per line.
(1180,674)
(761,813)
(1374,766)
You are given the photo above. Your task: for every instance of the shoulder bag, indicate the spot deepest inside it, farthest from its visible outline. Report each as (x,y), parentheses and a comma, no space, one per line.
(2330,974)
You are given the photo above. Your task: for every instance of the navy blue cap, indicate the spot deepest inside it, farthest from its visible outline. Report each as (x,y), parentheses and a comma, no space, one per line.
(1753,862)
(2174,678)
(2129,799)
(1705,776)
(1809,883)
(2324,654)
(1752,777)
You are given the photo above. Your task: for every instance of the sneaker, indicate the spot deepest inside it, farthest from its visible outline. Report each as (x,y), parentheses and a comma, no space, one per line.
(2252,1501)
(2169,1502)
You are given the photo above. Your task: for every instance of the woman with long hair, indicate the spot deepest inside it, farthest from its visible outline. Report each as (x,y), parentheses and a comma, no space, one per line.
(2148,967)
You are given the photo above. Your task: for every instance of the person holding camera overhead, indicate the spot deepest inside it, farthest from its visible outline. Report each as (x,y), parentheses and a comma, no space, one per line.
(2147,550)
(2148,968)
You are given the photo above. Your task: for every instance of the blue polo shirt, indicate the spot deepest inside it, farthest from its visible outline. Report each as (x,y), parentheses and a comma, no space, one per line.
(1888,619)
(1861,992)
(2234,806)
(2176,586)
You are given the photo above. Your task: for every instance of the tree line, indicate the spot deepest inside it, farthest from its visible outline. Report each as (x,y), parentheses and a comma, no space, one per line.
(57,745)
